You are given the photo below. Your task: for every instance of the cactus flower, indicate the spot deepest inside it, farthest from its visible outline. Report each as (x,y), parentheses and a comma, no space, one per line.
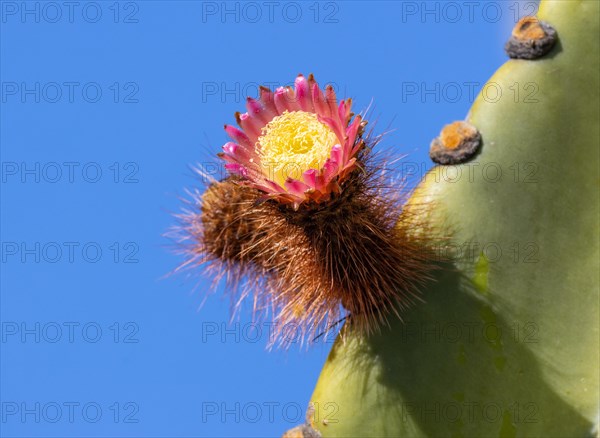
(306,221)
(295,144)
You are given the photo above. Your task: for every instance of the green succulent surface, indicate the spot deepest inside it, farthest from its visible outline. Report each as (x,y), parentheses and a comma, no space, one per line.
(506,343)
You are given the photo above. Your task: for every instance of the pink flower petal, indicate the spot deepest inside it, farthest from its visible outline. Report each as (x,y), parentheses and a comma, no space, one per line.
(285,100)
(270,186)
(321,107)
(250,125)
(257,110)
(296,187)
(228,158)
(236,151)
(344,111)
(330,170)
(236,169)
(311,81)
(334,126)
(350,167)
(337,154)
(359,145)
(267,97)
(351,134)
(279,99)
(331,101)
(310,178)
(239,137)
(303,94)
(352,130)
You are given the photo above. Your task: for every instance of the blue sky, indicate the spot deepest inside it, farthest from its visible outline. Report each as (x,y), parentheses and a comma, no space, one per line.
(105,105)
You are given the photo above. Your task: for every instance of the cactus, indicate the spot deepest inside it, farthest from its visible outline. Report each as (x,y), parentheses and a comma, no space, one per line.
(506,343)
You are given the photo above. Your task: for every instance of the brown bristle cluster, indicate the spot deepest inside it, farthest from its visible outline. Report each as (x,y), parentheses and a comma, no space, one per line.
(307,265)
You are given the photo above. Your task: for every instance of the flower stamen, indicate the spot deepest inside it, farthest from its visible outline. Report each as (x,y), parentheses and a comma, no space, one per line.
(293,143)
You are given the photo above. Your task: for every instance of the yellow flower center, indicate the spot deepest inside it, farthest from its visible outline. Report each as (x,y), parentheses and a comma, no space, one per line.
(292,143)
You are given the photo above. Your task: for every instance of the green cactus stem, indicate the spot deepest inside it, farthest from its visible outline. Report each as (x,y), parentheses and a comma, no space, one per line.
(506,344)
